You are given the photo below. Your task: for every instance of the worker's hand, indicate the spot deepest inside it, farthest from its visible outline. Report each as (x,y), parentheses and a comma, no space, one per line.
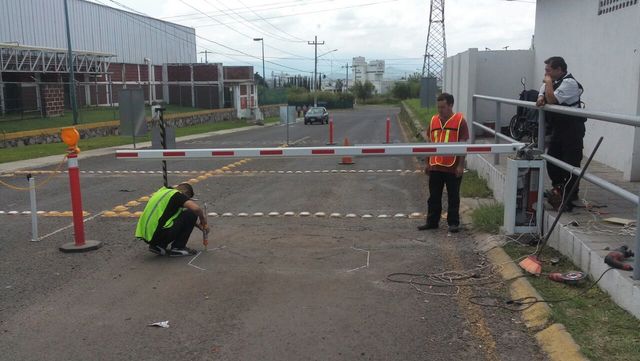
(547,80)
(459,171)
(540,102)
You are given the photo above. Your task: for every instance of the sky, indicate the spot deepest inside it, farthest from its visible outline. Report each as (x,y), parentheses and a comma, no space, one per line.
(390,30)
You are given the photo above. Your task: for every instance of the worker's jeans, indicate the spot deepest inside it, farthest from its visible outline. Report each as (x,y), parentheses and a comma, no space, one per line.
(437,182)
(178,234)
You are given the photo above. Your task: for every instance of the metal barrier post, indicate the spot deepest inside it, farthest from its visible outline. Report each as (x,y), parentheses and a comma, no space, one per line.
(636,257)
(496,128)
(34,209)
(474,105)
(541,130)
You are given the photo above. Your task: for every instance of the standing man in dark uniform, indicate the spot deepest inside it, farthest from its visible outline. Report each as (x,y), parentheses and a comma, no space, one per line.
(445,127)
(561,88)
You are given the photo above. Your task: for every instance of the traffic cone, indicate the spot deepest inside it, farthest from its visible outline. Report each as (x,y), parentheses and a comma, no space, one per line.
(347,159)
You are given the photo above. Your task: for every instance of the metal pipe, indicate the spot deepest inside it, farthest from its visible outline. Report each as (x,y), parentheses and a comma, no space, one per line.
(496,127)
(34,209)
(636,258)
(595,180)
(633,120)
(499,135)
(541,130)
(474,112)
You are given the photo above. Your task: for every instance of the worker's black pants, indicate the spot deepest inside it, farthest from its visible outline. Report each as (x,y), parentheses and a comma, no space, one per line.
(437,182)
(178,234)
(568,151)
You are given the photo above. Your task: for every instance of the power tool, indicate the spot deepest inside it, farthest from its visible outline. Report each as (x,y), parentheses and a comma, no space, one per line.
(616,258)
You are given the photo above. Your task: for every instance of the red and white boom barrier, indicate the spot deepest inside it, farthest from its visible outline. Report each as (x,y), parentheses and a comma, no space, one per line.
(356,150)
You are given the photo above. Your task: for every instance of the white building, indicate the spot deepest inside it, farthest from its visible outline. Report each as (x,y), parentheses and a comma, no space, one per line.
(372,71)
(600,43)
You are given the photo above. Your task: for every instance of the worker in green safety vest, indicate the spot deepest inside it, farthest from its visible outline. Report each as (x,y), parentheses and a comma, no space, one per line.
(168,219)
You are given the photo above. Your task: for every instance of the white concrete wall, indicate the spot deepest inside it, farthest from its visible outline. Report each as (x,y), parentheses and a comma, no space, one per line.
(603,53)
(493,73)
(499,73)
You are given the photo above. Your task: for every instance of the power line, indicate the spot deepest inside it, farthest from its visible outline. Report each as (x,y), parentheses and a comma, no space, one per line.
(262,7)
(273,26)
(202,38)
(234,30)
(248,22)
(309,12)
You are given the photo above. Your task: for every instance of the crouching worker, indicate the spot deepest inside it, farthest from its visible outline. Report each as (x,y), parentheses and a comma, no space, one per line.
(168,219)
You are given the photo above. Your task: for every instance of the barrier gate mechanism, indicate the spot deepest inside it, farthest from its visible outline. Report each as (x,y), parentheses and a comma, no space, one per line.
(523,193)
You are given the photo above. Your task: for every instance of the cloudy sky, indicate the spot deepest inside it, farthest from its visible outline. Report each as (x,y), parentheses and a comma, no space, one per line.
(393,30)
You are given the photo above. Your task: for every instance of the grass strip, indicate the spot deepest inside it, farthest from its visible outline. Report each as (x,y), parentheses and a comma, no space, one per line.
(603,330)
(16,123)
(43,150)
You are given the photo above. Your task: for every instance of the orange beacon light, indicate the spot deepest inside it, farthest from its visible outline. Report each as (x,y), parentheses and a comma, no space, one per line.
(70,137)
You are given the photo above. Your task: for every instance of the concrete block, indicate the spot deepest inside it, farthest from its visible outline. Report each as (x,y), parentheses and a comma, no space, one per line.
(576,252)
(585,257)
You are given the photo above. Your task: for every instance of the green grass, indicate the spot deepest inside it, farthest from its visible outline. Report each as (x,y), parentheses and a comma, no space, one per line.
(473,186)
(13,123)
(42,150)
(423,114)
(603,330)
(488,217)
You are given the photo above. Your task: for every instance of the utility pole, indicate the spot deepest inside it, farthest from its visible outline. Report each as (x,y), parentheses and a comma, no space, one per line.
(206,60)
(315,68)
(72,80)
(347,79)
(264,75)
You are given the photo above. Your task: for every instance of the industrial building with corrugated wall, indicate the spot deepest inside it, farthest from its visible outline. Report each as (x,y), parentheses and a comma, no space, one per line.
(112,49)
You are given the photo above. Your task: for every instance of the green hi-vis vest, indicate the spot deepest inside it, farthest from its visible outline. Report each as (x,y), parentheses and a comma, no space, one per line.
(148,222)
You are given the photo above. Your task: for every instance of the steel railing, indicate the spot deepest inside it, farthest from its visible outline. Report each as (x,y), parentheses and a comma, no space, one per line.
(631,120)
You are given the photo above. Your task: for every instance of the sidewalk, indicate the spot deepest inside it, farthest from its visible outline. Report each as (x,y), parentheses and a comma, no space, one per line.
(587,241)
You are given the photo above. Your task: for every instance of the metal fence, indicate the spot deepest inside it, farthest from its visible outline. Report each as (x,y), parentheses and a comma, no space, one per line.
(630,120)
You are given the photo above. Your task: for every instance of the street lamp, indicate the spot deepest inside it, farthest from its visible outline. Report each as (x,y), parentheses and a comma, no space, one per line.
(315,80)
(264,76)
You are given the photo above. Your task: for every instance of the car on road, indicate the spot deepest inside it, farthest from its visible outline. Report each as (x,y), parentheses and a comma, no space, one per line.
(316,114)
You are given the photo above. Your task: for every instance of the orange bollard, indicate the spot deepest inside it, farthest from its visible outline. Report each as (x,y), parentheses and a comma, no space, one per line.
(346,159)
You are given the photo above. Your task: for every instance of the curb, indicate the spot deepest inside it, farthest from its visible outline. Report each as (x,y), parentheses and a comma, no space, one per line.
(554,339)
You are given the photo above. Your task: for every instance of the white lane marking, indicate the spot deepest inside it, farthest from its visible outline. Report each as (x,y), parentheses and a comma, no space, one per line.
(193,265)
(71,225)
(361,267)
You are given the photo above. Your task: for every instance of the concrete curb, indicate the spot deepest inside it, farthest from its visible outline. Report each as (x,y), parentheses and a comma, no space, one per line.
(554,340)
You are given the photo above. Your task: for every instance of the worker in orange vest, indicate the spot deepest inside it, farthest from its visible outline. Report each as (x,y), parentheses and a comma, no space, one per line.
(445,127)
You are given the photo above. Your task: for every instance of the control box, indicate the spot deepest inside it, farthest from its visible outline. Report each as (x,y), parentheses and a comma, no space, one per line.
(523,196)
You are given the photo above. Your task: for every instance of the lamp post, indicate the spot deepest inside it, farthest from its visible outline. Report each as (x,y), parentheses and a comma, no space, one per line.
(315,91)
(72,80)
(264,75)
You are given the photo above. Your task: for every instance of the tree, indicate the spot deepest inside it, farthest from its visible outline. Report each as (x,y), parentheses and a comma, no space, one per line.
(363,91)
(339,85)
(260,80)
(401,90)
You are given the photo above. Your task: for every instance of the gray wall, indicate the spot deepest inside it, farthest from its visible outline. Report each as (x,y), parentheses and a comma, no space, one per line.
(603,53)
(96,28)
(493,73)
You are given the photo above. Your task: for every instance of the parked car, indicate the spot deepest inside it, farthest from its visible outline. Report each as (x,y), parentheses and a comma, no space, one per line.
(316,114)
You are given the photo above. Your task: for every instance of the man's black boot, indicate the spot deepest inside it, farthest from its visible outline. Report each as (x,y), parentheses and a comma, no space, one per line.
(427,226)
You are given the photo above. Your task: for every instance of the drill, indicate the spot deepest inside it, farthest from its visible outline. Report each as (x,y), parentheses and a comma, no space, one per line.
(616,258)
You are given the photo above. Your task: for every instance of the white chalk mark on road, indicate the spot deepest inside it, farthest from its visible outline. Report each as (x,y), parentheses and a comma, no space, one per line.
(365,266)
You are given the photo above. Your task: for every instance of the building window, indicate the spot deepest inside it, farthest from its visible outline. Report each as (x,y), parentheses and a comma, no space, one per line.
(609,6)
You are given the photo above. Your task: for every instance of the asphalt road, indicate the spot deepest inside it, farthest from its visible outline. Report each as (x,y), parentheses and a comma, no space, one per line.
(269,287)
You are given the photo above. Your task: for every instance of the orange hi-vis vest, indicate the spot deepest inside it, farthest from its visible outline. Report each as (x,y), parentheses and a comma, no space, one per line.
(447,133)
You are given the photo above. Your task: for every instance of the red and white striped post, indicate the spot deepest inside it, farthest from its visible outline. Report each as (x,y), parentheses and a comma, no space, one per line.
(331,142)
(79,245)
(388,131)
